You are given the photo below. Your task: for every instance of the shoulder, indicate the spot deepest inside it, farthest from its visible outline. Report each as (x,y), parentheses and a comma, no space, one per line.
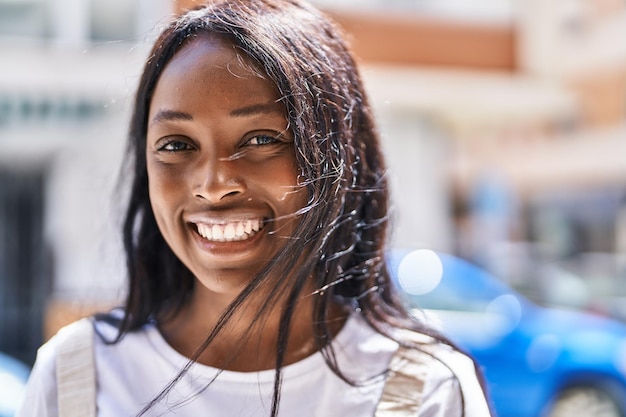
(102,353)
(451,383)
(41,391)
(79,333)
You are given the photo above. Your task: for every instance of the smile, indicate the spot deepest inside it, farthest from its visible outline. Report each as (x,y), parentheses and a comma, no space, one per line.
(230,232)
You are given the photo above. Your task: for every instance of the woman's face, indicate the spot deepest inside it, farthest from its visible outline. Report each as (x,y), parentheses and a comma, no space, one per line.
(221,164)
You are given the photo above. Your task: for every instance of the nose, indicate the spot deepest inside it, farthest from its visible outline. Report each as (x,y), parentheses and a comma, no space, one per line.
(218,179)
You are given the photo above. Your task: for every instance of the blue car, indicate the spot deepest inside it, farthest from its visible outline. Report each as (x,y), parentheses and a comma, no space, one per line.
(13,377)
(537,362)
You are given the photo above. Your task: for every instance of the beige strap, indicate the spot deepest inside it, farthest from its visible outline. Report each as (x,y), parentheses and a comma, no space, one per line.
(402,394)
(76,374)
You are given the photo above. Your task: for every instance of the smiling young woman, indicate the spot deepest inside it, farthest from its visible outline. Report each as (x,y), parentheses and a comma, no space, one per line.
(255,239)
(223,188)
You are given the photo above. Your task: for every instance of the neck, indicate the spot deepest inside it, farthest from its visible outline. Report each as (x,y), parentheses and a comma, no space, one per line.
(248,340)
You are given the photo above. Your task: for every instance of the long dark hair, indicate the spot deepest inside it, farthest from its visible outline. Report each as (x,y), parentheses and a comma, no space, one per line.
(342,232)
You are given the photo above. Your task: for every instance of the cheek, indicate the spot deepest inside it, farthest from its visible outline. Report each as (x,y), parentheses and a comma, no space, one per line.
(291,199)
(285,186)
(164,189)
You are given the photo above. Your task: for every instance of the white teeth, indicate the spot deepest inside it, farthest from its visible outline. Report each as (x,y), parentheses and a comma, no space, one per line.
(228,232)
(218,232)
(205,231)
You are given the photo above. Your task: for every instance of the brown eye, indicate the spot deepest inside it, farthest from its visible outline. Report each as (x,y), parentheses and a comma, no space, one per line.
(261,140)
(175,146)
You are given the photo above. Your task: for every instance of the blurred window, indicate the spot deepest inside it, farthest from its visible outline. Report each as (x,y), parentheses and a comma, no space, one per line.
(113,20)
(24,109)
(24,263)
(76,21)
(571,222)
(24,18)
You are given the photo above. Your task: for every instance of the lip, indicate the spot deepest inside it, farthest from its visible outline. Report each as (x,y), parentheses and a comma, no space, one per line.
(218,218)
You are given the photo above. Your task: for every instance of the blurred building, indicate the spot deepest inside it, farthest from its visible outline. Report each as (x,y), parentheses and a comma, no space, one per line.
(503,122)
(68,70)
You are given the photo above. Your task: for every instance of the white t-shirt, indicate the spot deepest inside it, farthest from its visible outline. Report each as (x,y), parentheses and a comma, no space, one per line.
(133,371)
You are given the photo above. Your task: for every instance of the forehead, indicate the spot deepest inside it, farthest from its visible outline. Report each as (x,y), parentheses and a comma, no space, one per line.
(211,67)
(214,50)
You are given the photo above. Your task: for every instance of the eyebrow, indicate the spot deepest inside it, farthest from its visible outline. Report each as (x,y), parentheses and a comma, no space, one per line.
(166,115)
(271,107)
(260,108)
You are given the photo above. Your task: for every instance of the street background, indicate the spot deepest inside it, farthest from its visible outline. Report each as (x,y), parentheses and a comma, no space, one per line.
(503,123)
